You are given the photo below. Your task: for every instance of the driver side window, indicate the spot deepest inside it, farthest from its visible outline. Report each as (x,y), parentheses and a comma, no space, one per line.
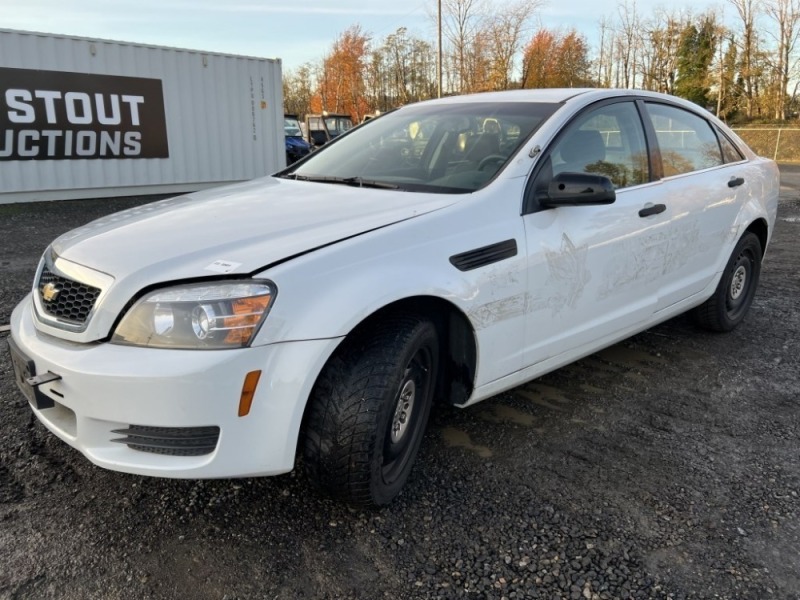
(608,141)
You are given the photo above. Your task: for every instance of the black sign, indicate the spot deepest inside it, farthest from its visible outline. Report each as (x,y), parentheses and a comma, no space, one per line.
(54,115)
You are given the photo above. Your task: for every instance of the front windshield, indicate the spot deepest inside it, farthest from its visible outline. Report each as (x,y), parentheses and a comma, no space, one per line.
(445,148)
(338,125)
(291,127)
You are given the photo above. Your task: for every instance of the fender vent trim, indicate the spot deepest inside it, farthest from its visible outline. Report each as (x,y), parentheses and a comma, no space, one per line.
(486,255)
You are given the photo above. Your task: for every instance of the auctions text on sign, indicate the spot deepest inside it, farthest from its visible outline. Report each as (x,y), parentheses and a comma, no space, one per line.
(56,115)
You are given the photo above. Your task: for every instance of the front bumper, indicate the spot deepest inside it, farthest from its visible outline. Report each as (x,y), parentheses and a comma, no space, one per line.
(106,387)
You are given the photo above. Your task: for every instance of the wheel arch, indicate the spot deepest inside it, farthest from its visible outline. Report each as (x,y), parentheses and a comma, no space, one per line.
(456,335)
(760,228)
(457,338)
(458,345)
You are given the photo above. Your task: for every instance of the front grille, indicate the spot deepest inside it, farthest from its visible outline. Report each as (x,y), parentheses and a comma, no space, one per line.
(73,302)
(174,441)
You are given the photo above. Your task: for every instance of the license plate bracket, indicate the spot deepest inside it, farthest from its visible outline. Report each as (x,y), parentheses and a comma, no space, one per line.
(24,369)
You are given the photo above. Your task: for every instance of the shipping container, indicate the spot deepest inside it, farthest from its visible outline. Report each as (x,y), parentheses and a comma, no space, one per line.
(90,118)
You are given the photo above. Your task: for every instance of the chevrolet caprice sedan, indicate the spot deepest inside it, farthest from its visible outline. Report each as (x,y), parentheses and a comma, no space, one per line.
(444,252)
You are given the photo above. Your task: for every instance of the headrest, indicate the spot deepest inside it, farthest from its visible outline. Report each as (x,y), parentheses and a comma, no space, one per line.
(583,146)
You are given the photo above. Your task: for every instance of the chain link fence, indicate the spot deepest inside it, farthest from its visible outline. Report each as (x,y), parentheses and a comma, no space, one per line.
(778,143)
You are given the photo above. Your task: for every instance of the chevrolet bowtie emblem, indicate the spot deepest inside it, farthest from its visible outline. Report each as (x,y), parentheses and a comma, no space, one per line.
(50,292)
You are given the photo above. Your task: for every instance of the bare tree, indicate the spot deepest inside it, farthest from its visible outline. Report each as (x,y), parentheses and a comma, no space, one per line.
(401,70)
(628,43)
(462,20)
(605,58)
(298,89)
(786,14)
(504,33)
(659,51)
(748,45)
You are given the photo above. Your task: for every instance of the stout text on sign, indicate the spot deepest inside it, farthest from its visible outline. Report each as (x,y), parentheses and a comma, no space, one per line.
(57,115)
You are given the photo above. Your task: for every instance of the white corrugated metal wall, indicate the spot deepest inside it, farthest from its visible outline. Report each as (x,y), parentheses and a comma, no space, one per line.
(224,119)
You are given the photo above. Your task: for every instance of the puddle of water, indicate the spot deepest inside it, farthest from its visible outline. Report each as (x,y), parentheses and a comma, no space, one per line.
(503,413)
(692,355)
(547,392)
(630,357)
(591,389)
(536,398)
(595,364)
(791,219)
(455,438)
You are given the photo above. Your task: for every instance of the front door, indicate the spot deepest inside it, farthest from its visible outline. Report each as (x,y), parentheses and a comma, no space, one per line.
(593,271)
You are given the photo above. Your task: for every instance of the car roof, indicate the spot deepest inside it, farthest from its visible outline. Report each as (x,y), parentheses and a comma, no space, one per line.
(559,95)
(548,95)
(582,96)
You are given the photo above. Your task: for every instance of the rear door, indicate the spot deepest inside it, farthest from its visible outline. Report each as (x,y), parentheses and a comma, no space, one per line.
(704,178)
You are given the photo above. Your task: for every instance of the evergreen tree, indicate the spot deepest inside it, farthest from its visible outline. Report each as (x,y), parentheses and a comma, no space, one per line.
(695,55)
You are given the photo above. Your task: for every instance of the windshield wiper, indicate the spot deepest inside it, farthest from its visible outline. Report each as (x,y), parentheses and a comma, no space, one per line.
(371,183)
(351,181)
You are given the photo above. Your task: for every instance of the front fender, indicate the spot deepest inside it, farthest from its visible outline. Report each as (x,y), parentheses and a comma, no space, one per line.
(327,293)
(327,307)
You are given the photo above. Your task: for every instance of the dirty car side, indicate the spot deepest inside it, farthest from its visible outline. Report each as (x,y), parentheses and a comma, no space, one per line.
(446,252)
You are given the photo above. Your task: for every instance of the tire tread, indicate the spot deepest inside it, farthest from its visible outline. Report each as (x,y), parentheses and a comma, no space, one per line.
(340,437)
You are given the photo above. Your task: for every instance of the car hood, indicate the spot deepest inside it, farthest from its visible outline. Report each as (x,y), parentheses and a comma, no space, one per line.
(236,229)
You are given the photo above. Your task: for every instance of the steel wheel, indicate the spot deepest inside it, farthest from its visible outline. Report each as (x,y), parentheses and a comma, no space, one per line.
(404,427)
(736,290)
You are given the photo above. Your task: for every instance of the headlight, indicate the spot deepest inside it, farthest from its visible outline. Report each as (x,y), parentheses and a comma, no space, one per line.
(205,316)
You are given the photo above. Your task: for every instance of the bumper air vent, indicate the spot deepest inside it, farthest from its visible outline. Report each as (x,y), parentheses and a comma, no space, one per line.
(172,441)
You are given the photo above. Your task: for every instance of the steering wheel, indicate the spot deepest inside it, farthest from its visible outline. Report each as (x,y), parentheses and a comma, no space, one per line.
(492,158)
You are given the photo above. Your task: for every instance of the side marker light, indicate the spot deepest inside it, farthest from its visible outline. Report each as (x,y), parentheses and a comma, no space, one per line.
(248,391)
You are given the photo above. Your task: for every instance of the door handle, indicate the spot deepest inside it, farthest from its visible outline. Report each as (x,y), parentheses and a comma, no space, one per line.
(735,182)
(652,209)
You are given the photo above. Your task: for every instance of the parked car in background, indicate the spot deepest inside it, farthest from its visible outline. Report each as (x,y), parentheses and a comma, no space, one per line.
(296,146)
(322,128)
(448,251)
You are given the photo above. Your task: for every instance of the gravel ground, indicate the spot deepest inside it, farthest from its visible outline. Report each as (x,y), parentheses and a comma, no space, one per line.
(666,466)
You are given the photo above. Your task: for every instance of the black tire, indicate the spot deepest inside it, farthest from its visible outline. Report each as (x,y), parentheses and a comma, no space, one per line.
(360,441)
(737,287)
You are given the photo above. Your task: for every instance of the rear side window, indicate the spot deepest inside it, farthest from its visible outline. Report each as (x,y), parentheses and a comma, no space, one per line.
(730,152)
(687,141)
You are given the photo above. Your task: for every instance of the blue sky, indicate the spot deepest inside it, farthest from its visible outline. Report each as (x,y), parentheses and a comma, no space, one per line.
(296,32)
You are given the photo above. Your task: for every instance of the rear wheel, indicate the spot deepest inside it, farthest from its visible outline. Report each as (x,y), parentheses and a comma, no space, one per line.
(736,289)
(369,409)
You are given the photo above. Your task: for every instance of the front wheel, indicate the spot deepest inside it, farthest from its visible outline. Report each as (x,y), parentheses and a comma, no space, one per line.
(736,289)
(369,408)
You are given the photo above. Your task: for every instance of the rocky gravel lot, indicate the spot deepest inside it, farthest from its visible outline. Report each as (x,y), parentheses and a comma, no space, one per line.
(667,466)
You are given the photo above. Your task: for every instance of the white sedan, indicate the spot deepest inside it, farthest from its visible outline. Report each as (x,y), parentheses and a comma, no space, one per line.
(446,251)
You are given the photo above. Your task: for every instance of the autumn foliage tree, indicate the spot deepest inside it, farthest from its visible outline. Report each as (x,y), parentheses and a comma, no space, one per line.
(556,59)
(341,86)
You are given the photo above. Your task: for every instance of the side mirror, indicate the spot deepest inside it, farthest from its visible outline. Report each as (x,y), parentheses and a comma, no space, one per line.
(578,189)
